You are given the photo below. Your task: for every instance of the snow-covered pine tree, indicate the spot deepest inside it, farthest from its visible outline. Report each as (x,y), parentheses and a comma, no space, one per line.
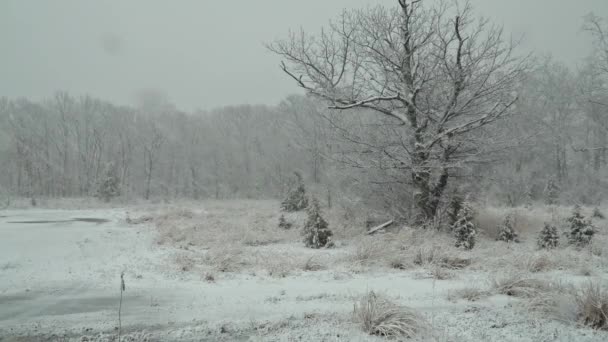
(464,229)
(109,186)
(316,232)
(552,191)
(529,199)
(283,223)
(296,196)
(548,237)
(453,209)
(581,230)
(506,231)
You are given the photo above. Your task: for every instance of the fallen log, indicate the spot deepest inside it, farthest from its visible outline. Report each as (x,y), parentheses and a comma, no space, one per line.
(377,228)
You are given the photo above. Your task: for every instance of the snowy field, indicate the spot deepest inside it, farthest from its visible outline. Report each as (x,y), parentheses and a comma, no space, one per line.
(223,271)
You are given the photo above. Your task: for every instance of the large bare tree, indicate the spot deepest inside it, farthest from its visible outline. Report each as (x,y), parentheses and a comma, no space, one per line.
(437,73)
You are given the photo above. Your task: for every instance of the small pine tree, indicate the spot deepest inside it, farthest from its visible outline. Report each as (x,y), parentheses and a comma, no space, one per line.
(283,223)
(296,197)
(453,209)
(109,186)
(581,230)
(506,231)
(552,192)
(464,228)
(529,199)
(316,232)
(598,214)
(548,237)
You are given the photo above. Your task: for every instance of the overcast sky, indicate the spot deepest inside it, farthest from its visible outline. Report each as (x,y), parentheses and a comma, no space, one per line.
(209,53)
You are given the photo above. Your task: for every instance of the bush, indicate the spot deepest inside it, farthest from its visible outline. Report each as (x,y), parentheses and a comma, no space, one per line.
(464,229)
(453,209)
(316,232)
(283,223)
(109,187)
(581,230)
(598,214)
(296,196)
(506,231)
(548,237)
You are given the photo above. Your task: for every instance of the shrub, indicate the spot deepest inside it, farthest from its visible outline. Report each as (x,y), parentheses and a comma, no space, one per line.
(296,196)
(453,209)
(464,229)
(378,316)
(109,186)
(283,223)
(548,237)
(316,232)
(506,231)
(581,230)
(598,214)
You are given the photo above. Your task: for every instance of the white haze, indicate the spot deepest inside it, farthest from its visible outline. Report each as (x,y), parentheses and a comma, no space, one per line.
(204,54)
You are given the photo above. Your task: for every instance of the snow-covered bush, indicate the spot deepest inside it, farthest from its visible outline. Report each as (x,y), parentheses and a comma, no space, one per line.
(316,232)
(283,223)
(548,237)
(598,214)
(506,231)
(453,208)
(581,230)
(109,186)
(296,196)
(464,229)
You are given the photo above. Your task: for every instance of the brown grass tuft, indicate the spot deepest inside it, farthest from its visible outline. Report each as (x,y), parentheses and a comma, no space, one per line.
(378,316)
(520,285)
(592,306)
(471,294)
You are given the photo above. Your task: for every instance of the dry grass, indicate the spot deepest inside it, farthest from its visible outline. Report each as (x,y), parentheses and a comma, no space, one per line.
(586,306)
(372,250)
(313,264)
(520,285)
(226,259)
(471,294)
(592,306)
(379,316)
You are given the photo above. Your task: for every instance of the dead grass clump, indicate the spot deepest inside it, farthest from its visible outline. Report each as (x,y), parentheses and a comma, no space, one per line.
(398,263)
(227,259)
(520,285)
(312,265)
(372,250)
(592,306)
(185,262)
(139,220)
(539,262)
(440,273)
(471,294)
(209,277)
(428,255)
(379,316)
(454,263)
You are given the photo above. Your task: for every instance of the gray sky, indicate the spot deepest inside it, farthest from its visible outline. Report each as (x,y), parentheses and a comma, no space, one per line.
(208,53)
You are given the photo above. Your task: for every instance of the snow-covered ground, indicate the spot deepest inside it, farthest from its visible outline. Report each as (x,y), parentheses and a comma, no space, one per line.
(60,280)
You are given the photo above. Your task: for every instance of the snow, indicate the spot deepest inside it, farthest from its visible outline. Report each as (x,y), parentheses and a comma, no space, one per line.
(62,279)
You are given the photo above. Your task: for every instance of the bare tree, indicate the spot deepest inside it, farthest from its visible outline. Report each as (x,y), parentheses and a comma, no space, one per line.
(437,77)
